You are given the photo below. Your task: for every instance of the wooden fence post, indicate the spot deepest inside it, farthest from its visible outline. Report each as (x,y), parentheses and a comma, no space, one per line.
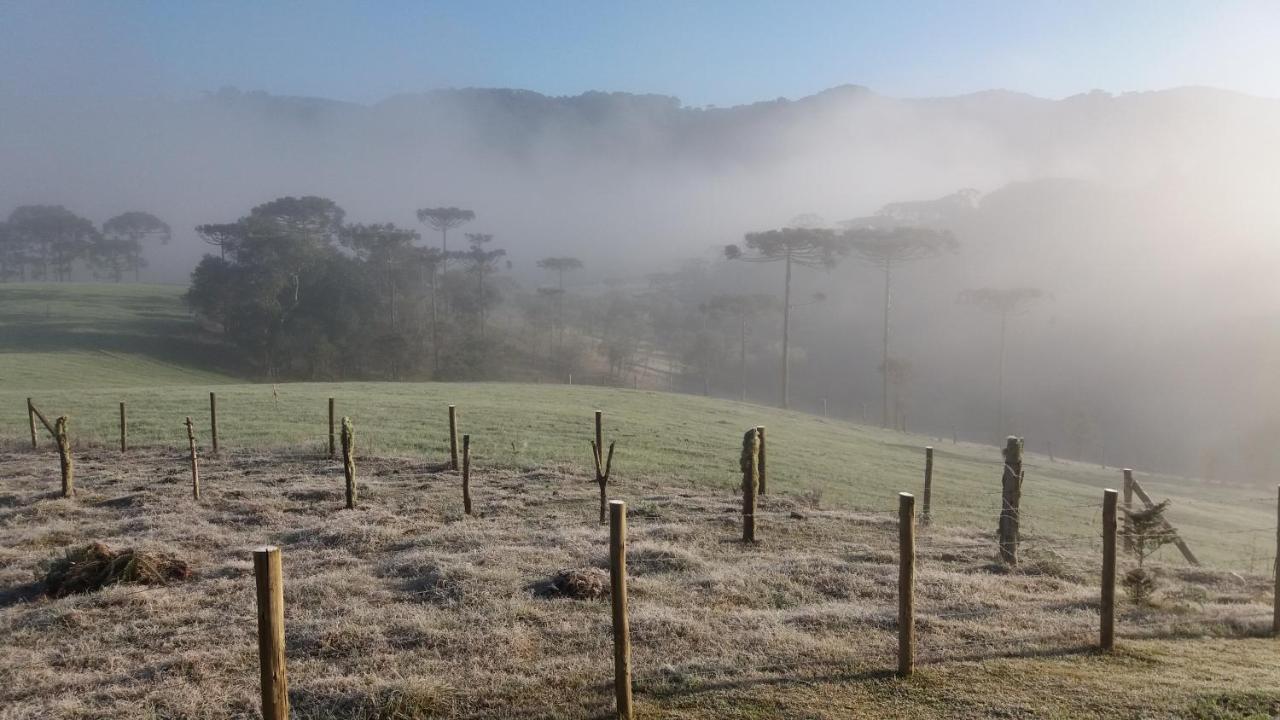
(1128,508)
(1107,633)
(762,465)
(618,594)
(64,457)
(195,463)
(453,438)
(928,484)
(333,449)
(275,681)
(1275,591)
(466,474)
(31,418)
(124,430)
(213,421)
(349,460)
(750,476)
(1010,499)
(906,584)
(599,434)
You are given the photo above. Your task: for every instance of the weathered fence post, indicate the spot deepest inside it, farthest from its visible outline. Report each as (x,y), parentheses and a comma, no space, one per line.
(213,421)
(599,432)
(906,584)
(1051,459)
(750,476)
(1275,591)
(453,438)
(124,430)
(31,418)
(928,484)
(466,474)
(1010,498)
(64,457)
(349,460)
(195,463)
(762,464)
(333,449)
(602,477)
(275,682)
(618,594)
(1128,508)
(1107,633)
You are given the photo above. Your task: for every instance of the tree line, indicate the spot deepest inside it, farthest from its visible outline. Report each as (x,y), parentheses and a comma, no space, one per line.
(46,242)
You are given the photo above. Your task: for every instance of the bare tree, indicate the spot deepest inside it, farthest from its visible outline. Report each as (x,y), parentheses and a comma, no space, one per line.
(445,219)
(1003,302)
(885,247)
(807,247)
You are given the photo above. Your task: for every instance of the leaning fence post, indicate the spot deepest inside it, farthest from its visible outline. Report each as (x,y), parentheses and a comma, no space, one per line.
(31,418)
(275,681)
(453,438)
(906,584)
(64,456)
(1107,633)
(928,484)
(750,476)
(1275,591)
(1128,508)
(195,463)
(124,430)
(333,450)
(762,470)
(618,594)
(349,460)
(213,421)
(1010,498)
(466,474)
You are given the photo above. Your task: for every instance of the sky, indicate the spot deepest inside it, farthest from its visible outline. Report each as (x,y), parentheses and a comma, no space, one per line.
(706,53)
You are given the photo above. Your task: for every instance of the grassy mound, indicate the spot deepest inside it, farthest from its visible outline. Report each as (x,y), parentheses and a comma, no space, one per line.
(93,567)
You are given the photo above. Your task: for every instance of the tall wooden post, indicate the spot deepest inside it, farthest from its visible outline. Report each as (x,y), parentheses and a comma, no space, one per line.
(906,584)
(466,474)
(1275,591)
(453,438)
(928,484)
(213,421)
(195,462)
(750,476)
(762,465)
(333,449)
(1010,498)
(1107,633)
(599,434)
(124,430)
(64,456)
(1128,508)
(618,593)
(31,418)
(275,681)
(349,460)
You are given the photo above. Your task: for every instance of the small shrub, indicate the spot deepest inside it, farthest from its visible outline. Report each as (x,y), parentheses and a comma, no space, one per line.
(1140,584)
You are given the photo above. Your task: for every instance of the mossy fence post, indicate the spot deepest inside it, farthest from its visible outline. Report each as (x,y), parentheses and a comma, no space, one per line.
(618,596)
(31,418)
(1107,631)
(213,421)
(761,464)
(928,484)
(466,474)
(124,430)
(195,462)
(453,438)
(274,679)
(64,457)
(349,460)
(906,584)
(750,477)
(333,447)
(1128,508)
(1010,499)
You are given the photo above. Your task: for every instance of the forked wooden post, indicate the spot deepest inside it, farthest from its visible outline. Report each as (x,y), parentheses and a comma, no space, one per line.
(750,476)
(599,434)
(1010,499)
(1107,633)
(906,584)
(333,446)
(349,460)
(195,462)
(1128,508)
(124,430)
(31,418)
(466,474)
(453,438)
(275,681)
(1275,591)
(618,593)
(762,469)
(928,484)
(213,421)
(64,457)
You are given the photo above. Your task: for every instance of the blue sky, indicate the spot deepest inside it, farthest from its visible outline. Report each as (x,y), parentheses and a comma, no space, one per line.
(706,52)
